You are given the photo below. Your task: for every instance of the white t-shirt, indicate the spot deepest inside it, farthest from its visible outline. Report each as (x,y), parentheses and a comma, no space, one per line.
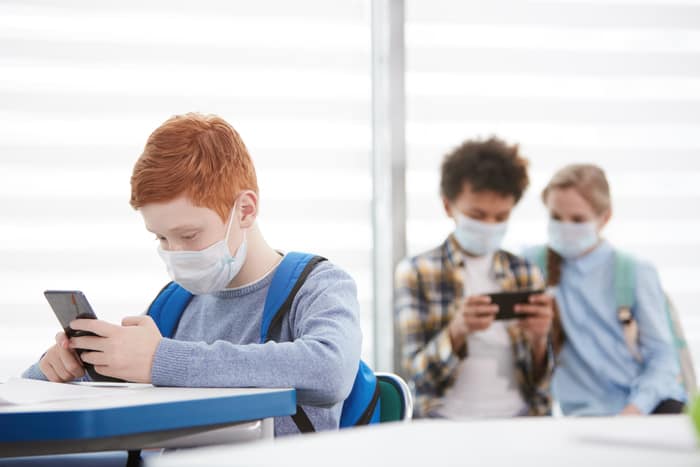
(485,384)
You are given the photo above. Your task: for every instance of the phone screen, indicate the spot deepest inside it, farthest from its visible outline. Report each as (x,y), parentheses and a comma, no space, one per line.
(506,302)
(68,305)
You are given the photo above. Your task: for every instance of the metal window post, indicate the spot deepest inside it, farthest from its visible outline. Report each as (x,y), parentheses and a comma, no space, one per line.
(389,169)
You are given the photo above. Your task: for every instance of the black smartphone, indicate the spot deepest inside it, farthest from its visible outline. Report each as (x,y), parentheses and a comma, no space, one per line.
(506,302)
(68,305)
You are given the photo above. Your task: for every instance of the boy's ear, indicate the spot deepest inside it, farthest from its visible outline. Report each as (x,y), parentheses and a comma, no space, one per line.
(606,218)
(248,208)
(446,205)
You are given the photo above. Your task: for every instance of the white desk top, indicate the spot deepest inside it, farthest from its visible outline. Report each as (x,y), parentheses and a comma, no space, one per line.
(633,441)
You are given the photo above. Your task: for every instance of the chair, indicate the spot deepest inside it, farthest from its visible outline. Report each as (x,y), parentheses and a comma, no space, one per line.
(395,397)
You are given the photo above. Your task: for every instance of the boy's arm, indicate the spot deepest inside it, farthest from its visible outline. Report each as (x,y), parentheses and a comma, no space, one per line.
(428,362)
(321,363)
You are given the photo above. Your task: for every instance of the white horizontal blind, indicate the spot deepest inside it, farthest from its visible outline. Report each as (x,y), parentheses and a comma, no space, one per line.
(82,85)
(615,83)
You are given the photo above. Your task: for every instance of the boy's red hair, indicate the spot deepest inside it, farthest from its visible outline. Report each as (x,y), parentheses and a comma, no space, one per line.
(201,156)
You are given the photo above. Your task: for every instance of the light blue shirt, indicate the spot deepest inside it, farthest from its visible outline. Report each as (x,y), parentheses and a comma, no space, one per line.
(596,374)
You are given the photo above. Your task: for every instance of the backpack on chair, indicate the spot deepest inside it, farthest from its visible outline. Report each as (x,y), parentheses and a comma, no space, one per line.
(361,407)
(625,288)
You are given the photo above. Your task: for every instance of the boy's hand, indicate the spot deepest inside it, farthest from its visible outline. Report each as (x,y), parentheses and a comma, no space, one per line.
(60,363)
(540,312)
(476,313)
(124,352)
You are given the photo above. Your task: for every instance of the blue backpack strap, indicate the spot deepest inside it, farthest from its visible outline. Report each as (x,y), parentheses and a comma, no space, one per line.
(288,278)
(286,282)
(167,308)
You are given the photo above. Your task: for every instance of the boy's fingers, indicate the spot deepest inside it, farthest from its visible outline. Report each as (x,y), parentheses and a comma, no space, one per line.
(480,321)
(61,372)
(88,343)
(61,339)
(70,363)
(134,320)
(542,299)
(482,310)
(101,328)
(50,373)
(532,309)
(96,358)
(479,300)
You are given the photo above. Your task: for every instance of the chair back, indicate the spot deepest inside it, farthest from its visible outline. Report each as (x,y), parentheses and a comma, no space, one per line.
(396,398)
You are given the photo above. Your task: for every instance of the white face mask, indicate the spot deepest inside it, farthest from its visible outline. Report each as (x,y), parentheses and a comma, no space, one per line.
(479,238)
(570,239)
(208,270)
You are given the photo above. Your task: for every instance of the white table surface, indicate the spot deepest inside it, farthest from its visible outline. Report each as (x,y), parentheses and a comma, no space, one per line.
(663,441)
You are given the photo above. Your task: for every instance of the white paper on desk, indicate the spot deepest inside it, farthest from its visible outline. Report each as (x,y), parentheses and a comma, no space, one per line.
(30,391)
(110,384)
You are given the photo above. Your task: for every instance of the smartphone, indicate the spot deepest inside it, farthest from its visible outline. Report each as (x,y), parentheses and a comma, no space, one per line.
(506,302)
(68,305)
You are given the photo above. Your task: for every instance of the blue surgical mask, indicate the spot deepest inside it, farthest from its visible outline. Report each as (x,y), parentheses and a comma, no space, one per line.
(571,239)
(208,270)
(479,238)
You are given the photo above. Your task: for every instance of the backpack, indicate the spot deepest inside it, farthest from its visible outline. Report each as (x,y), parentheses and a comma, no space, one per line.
(361,407)
(624,281)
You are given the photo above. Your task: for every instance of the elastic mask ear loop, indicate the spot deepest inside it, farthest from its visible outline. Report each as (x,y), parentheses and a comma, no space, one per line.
(228,230)
(230,222)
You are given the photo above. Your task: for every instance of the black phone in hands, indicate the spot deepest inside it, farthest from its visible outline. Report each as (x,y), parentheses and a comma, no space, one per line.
(69,305)
(506,302)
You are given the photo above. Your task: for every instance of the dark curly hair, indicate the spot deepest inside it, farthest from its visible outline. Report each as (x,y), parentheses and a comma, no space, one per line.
(487,165)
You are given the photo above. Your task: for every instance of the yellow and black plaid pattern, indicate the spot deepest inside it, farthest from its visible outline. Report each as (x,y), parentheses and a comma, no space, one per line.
(427,290)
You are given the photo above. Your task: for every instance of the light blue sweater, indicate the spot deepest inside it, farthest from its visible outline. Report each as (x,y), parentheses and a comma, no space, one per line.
(316,350)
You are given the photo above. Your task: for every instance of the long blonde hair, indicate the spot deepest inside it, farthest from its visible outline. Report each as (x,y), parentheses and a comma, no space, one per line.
(588,180)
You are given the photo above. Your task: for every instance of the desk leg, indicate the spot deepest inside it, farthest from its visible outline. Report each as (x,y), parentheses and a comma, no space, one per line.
(267,428)
(134,459)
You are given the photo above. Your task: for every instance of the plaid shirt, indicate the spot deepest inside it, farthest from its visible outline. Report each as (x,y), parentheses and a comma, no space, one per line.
(428,289)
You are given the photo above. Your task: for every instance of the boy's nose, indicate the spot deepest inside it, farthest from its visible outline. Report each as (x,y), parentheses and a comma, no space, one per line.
(173,246)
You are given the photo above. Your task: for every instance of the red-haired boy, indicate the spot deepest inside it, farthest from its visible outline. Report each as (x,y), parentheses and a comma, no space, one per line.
(196,188)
